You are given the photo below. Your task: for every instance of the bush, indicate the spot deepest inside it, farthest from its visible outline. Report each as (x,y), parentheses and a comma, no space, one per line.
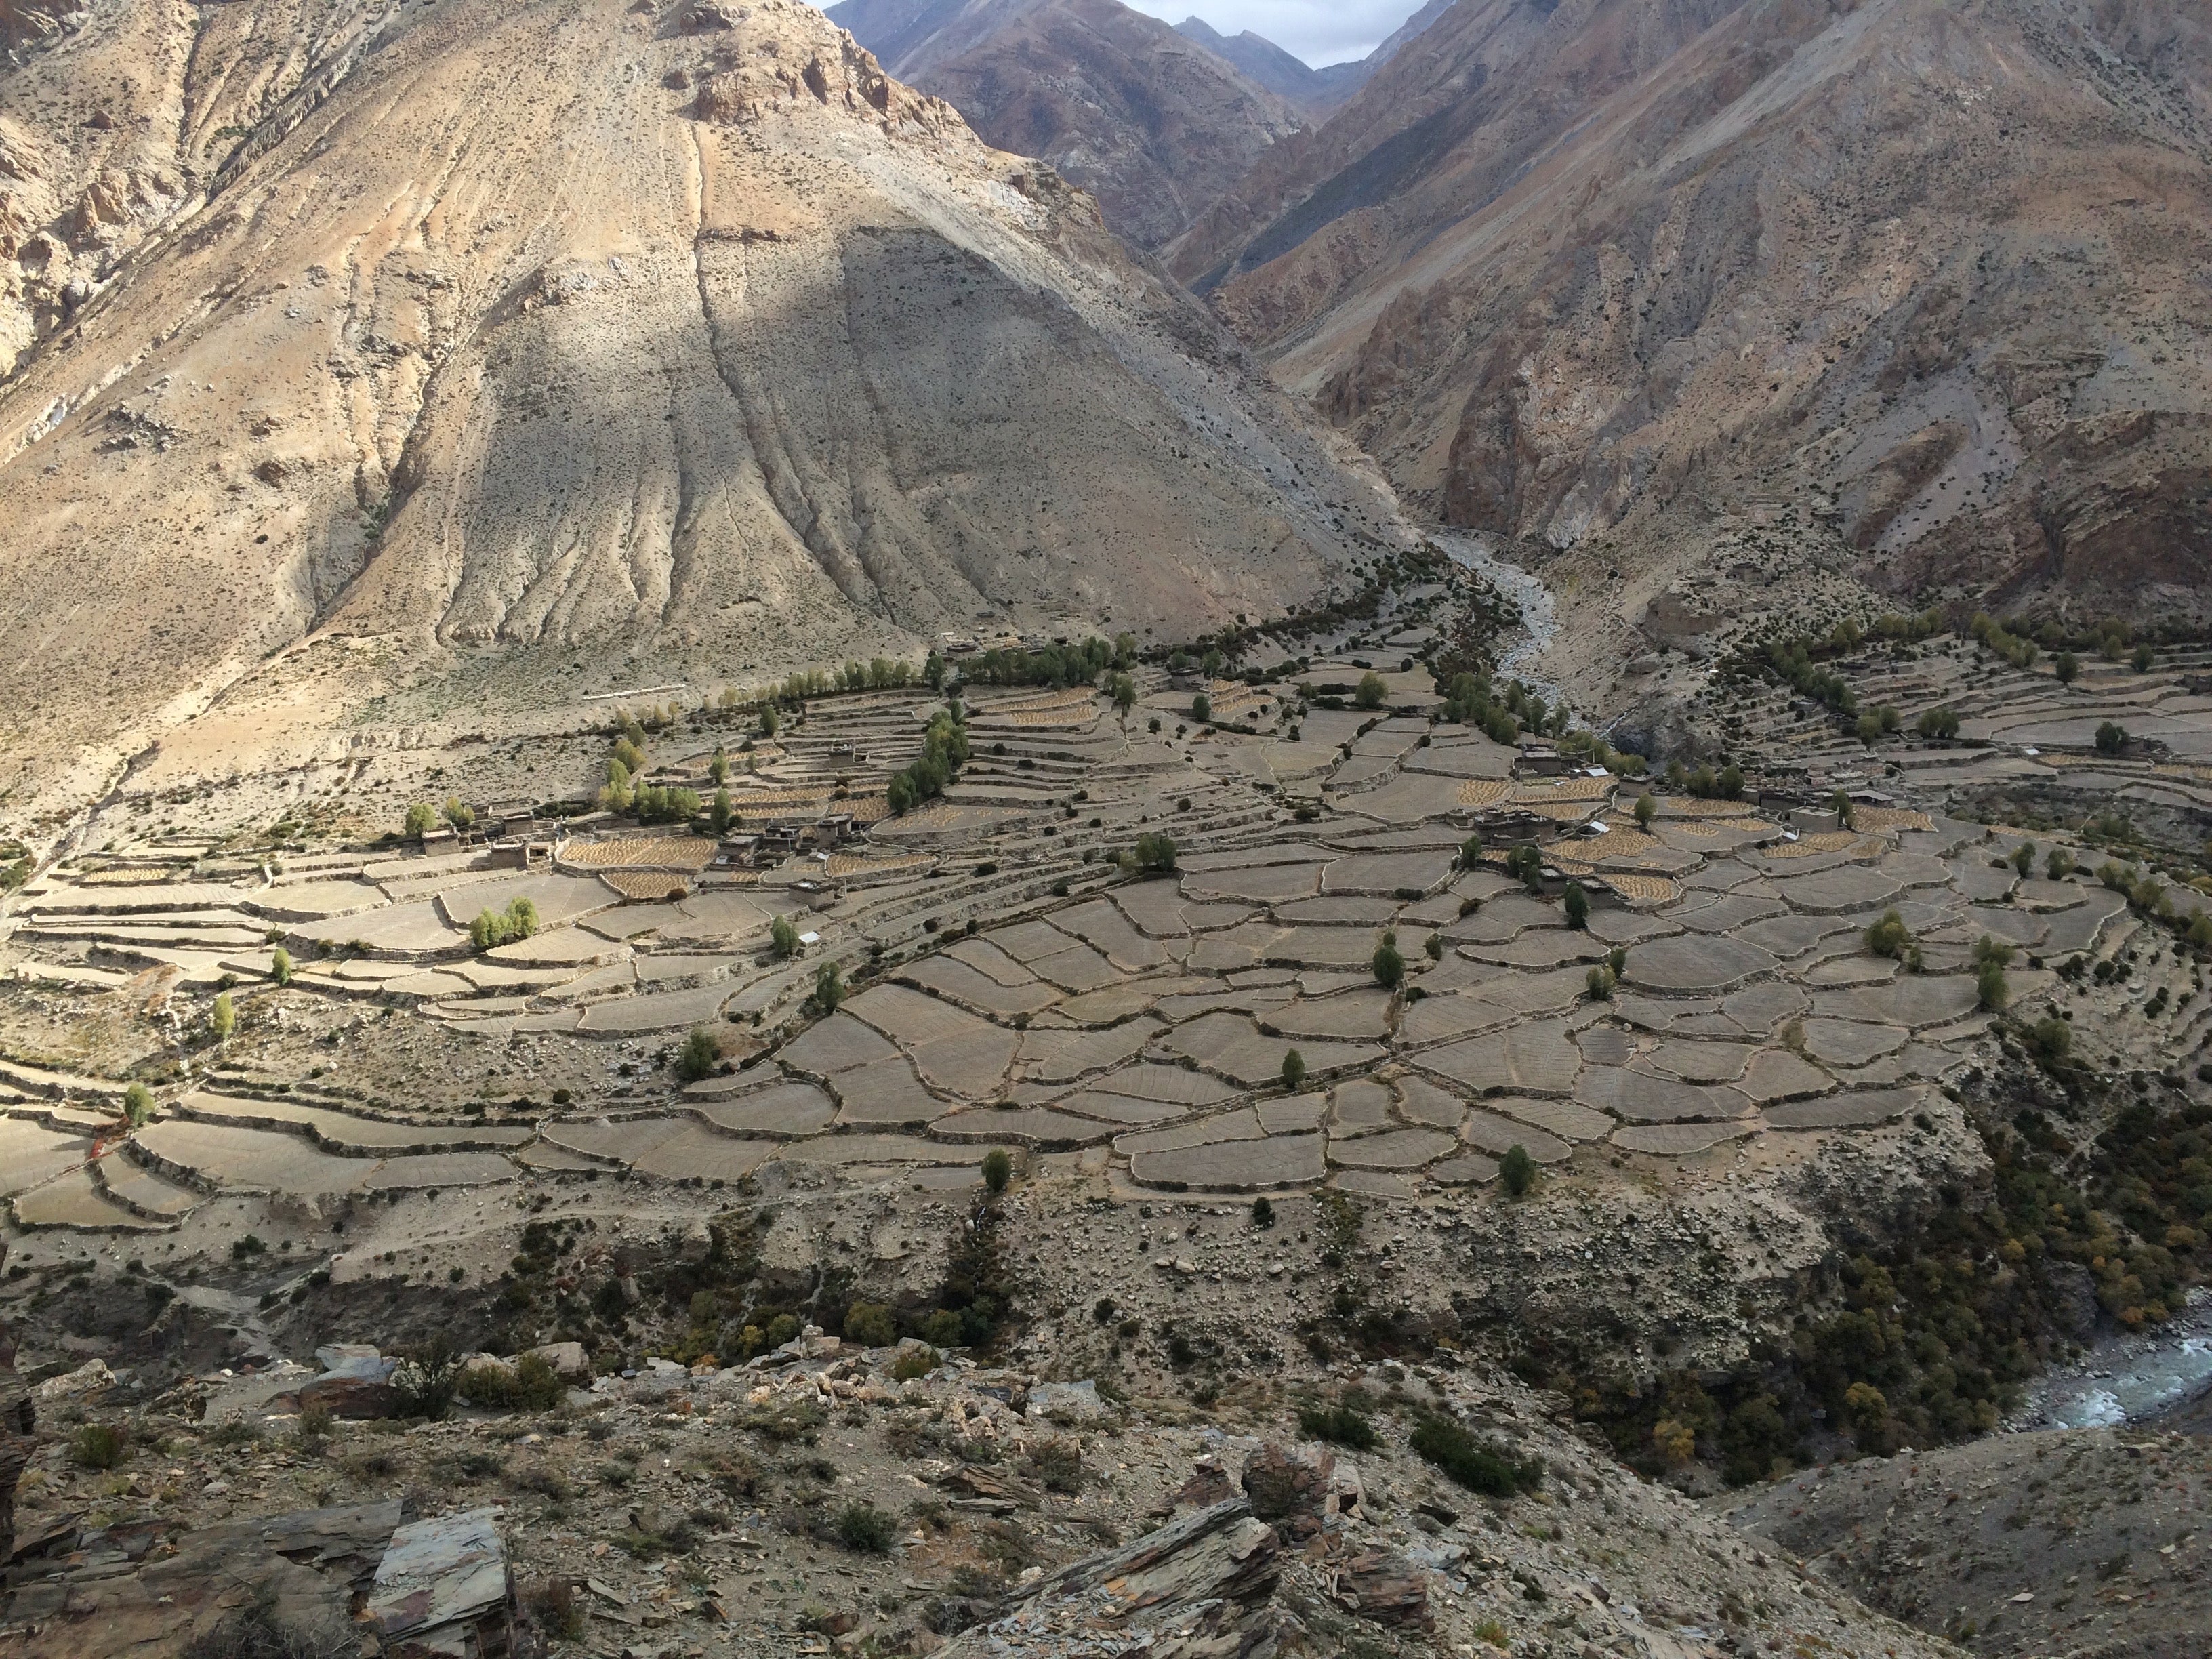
(1155,854)
(1989,987)
(2050,1038)
(427,1381)
(1889,937)
(1470,853)
(137,1104)
(280,965)
(1372,691)
(493,928)
(869,1324)
(100,1446)
(1201,710)
(1600,980)
(1389,966)
(998,1169)
(1339,1426)
(2066,666)
(1058,1465)
(2110,739)
(1470,1464)
(829,987)
(1646,810)
(698,1057)
(555,1607)
(2143,658)
(2058,864)
(864,1528)
(222,1018)
(1938,723)
(915,1362)
(531,1384)
(1294,1070)
(1517,1170)
(1578,905)
(1263,1212)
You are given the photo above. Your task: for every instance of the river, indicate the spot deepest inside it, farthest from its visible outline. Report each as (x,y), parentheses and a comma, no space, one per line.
(1539,615)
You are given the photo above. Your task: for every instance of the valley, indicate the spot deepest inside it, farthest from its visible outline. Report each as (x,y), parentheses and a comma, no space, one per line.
(981,829)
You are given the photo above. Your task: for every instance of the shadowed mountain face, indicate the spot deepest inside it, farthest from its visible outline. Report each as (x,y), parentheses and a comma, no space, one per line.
(1153,125)
(1313,93)
(1608,274)
(483,357)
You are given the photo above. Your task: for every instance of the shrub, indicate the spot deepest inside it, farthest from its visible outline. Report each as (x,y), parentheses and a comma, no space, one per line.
(222,1018)
(1372,691)
(1990,948)
(2023,857)
(915,1362)
(1517,1170)
(1989,987)
(2066,666)
(2058,864)
(1470,1464)
(2110,739)
(1058,1465)
(137,1104)
(1263,1212)
(829,987)
(998,1169)
(1389,966)
(2143,658)
(2051,1039)
(1155,854)
(1578,905)
(1470,853)
(427,1379)
(100,1446)
(554,1605)
(699,1057)
(1294,1070)
(1889,937)
(280,965)
(1600,980)
(1646,810)
(864,1528)
(869,1324)
(531,1384)
(1201,710)
(1339,1426)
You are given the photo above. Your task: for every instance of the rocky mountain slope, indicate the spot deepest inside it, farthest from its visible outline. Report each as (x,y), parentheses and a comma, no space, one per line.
(1315,92)
(490,356)
(1155,125)
(1917,282)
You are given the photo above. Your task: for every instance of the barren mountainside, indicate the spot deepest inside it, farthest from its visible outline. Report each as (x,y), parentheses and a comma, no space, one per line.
(1924,280)
(1155,125)
(373,361)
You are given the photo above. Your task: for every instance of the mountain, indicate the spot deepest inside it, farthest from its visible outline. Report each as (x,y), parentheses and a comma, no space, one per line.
(1313,93)
(1922,278)
(1155,125)
(448,364)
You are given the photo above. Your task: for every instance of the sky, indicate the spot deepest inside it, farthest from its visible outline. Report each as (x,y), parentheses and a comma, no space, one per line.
(1321,32)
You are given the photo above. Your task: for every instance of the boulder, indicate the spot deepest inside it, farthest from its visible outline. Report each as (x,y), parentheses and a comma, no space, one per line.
(1384,1586)
(568,1360)
(444,1587)
(88,1378)
(357,1386)
(1066,1402)
(1299,1487)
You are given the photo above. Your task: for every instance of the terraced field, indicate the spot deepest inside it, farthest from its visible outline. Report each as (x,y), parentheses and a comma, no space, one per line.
(1012,987)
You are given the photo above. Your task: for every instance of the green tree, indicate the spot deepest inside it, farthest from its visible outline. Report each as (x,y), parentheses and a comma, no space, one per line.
(718,768)
(280,965)
(1646,810)
(829,987)
(1601,981)
(1389,965)
(1889,937)
(1372,691)
(137,1104)
(2143,658)
(1263,1212)
(782,937)
(1517,1170)
(699,1057)
(1201,710)
(2058,864)
(2066,666)
(1155,853)
(1938,723)
(461,817)
(725,812)
(768,721)
(998,1169)
(422,818)
(2110,739)
(1989,987)
(223,1020)
(2023,857)
(1869,727)
(1294,1070)
(1470,853)
(1123,689)
(1578,905)
(1731,783)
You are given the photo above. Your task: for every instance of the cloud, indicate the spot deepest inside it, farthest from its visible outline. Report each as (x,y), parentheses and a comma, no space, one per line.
(1321,32)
